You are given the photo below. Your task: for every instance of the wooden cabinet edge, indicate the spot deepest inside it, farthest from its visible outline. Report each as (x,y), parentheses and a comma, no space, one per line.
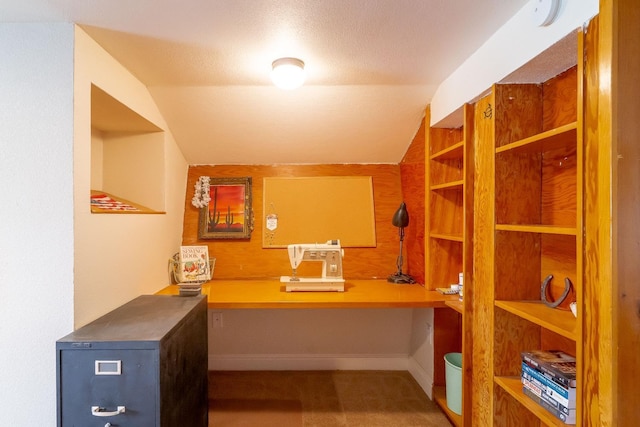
(453,185)
(440,397)
(455,151)
(538,228)
(559,321)
(455,305)
(553,138)
(513,386)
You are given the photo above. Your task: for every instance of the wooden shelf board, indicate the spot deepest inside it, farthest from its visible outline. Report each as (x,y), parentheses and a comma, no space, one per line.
(137,209)
(450,237)
(440,397)
(453,185)
(559,321)
(456,305)
(270,293)
(513,386)
(535,228)
(555,138)
(453,152)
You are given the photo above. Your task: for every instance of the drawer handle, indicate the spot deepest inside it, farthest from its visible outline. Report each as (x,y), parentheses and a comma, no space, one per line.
(98,411)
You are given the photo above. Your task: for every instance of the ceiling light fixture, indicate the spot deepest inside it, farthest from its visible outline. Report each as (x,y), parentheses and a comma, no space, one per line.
(288,73)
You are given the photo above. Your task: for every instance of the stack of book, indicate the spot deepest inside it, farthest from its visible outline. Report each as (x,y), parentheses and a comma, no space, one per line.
(191,268)
(549,378)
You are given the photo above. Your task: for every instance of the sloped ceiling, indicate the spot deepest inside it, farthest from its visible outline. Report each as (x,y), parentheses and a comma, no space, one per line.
(372,67)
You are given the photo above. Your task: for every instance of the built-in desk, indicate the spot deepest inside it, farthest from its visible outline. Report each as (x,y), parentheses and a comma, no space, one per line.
(270,293)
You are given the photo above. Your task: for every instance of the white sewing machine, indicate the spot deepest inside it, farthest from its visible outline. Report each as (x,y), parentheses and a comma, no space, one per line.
(330,254)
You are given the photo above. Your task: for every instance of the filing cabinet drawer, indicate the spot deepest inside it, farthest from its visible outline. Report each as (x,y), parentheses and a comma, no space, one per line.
(109,379)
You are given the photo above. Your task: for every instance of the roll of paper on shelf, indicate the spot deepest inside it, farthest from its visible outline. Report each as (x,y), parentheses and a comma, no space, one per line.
(460,285)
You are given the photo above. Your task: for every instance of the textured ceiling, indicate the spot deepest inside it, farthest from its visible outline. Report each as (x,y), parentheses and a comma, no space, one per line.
(372,67)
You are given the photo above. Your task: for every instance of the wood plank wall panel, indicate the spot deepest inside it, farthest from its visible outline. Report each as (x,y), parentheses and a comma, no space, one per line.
(559,168)
(559,173)
(518,112)
(246,259)
(412,171)
(447,339)
(509,414)
(518,272)
(518,115)
(559,96)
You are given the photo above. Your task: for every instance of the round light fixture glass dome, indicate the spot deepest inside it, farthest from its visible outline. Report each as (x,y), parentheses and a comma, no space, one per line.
(288,73)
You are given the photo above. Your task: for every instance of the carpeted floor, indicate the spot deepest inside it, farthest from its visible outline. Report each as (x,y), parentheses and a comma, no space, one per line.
(319,399)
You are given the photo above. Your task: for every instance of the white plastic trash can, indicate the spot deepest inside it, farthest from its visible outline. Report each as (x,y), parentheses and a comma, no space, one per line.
(453,379)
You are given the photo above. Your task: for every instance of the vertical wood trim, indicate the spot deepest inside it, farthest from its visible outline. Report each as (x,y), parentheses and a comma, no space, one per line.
(427,199)
(483,261)
(580,181)
(602,290)
(597,341)
(467,266)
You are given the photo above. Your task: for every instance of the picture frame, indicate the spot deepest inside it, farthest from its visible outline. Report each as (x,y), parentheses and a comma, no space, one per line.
(229,214)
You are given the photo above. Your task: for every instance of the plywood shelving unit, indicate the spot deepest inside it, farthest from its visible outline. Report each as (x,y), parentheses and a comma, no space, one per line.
(530,226)
(449,248)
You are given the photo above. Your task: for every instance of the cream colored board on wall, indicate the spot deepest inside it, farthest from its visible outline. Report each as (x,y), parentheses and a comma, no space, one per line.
(317,209)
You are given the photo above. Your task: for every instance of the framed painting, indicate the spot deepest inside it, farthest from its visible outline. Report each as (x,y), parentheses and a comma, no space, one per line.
(229,213)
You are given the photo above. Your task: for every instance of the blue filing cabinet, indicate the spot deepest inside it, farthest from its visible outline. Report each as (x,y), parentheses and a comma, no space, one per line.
(142,365)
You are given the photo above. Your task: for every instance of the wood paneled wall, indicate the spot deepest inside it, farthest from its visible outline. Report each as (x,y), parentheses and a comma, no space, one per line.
(413,189)
(246,259)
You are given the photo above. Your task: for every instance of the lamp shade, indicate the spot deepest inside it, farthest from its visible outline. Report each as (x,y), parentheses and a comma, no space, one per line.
(401,217)
(288,73)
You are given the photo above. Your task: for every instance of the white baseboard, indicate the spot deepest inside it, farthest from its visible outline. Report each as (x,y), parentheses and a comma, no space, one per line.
(421,376)
(307,362)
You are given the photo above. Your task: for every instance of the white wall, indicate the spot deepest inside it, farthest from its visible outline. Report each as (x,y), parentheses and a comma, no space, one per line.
(45,168)
(36,215)
(119,257)
(421,357)
(510,47)
(302,339)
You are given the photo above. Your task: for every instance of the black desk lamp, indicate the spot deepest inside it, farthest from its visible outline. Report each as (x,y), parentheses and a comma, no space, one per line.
(401,220)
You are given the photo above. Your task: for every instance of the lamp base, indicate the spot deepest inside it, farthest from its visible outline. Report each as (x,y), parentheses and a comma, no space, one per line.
(400,278)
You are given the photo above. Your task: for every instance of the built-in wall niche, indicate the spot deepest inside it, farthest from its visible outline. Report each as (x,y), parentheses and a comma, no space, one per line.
(127,158)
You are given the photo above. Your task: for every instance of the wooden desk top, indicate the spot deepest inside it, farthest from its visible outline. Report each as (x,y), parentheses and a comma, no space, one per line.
(270,293)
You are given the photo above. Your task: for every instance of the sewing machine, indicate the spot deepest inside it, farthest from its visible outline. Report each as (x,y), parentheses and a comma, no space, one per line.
(330,254)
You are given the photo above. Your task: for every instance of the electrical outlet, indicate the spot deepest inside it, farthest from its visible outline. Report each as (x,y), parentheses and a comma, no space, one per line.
(430,333)
(216,319)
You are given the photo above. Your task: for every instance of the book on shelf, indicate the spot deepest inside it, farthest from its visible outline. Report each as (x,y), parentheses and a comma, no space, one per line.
(540,390)
(193,264)
(551,390)
(555,364)
(534,393)
(448,291)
